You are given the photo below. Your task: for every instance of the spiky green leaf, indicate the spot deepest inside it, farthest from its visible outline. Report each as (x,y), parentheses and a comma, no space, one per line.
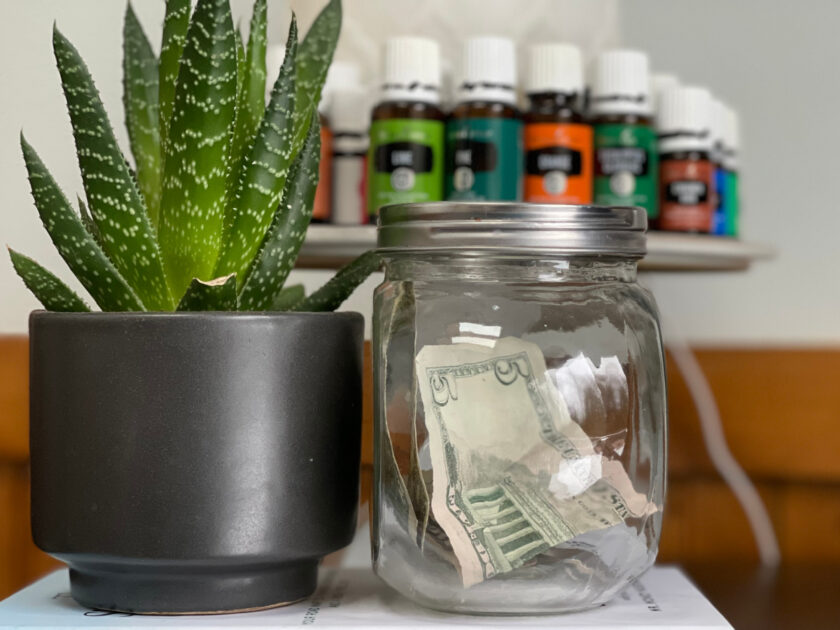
(175,24)
(279,250)
(77,247)
(115,201)
(263,175)
(251,95)
(214,295)
(50,291)
(140,101)
(88,222)
(288,297)
(313,60)
(197,149)
(330,296)
(236,154)
(241,60)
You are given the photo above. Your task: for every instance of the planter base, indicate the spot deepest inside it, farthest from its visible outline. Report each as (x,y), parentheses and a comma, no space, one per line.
(190,589)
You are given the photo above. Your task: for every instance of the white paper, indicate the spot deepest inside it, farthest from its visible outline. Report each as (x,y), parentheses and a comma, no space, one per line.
(356,598)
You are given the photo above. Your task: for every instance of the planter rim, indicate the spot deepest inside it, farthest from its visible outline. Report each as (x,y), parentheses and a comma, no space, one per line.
(41,314)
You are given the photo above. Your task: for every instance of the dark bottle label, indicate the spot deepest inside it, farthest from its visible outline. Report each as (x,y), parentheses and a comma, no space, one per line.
(479,157)
(687,192)
(389,157)
(612,160)
(542,161)
(626,167)
(484,159)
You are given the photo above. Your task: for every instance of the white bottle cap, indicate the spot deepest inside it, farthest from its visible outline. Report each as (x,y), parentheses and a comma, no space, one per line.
(660,82)
(447,83)
(718,121)
(685,119)
(488,70)
(411,70)
(621,84)
(554,68)
(731,138)
(732,130)
(341,75)
(349,110)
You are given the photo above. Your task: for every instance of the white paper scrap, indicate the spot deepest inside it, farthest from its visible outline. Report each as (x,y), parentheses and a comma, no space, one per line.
(356,598)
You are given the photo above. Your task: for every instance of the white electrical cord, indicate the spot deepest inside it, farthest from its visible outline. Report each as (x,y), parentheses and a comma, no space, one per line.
(718,450)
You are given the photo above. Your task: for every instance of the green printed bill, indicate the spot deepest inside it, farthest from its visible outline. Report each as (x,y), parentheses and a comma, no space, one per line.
(514,474)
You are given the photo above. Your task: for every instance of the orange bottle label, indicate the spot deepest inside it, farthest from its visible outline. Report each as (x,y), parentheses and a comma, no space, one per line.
(323,193)
(558,163)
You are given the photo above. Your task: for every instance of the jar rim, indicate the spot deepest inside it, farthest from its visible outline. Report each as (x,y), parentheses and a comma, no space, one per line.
(513,227)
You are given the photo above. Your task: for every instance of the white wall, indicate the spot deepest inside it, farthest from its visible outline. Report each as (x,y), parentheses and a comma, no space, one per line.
(774,60)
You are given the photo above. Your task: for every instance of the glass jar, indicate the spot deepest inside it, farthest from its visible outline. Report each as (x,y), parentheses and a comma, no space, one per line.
(520,406)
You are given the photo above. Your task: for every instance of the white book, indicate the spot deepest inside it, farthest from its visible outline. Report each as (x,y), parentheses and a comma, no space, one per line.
(356,598)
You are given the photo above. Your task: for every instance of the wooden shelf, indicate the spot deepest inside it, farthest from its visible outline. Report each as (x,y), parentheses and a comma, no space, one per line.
(330,246)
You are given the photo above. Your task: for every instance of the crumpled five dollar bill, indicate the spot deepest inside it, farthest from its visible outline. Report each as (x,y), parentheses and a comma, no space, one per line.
(513,474)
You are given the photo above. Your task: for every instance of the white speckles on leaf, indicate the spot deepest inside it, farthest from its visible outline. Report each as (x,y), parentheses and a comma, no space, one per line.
(279,249)
(175,25)
(50,291)
(140,101)
(196,149)
(109,185)
(77,247)
(259,186)
(314,58)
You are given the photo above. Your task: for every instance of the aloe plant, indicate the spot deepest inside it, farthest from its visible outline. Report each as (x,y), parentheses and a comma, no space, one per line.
(215,210)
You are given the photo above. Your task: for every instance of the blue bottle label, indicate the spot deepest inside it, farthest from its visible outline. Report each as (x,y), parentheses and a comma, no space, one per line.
(719,225)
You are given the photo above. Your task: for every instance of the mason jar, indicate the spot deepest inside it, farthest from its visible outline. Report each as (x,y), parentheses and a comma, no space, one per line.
(520,406)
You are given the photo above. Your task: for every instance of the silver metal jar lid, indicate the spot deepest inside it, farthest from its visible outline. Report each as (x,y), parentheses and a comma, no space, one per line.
(512,227)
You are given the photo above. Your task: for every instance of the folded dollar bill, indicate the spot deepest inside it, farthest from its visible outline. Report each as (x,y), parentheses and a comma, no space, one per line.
(513,474)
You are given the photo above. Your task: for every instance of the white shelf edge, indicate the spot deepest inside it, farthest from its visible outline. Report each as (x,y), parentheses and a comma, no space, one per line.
(330,246)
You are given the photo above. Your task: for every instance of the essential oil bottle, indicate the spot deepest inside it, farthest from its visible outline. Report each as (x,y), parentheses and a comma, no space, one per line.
(686,169)
(718,121)
(406,155)
(731,148)
(626,161)
(321,205)
(350,117)
(558,139)
(484,130)
(659,82)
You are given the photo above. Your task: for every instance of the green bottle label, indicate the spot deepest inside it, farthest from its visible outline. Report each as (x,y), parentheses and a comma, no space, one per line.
(626,167)
(484,159)
(405,162)
(731,210)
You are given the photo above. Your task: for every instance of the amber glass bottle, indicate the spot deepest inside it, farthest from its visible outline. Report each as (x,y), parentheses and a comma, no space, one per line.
(406,154)
(686,169)
(558,139)
(626,158)
(484,131)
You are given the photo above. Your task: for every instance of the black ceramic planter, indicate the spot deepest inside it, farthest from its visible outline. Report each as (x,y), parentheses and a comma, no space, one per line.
(195,462)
